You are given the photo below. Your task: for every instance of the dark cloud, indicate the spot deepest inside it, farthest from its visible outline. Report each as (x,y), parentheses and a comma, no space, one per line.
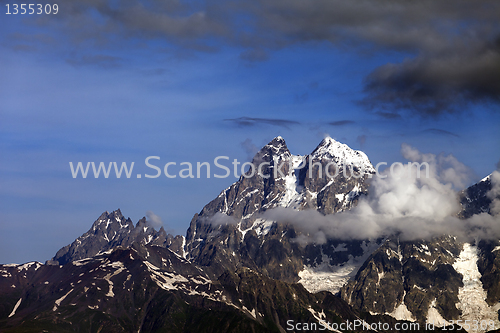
(431,85)
(453,46)
(29,42)
(440,132)
(183,23)
(341,122)
(247,121)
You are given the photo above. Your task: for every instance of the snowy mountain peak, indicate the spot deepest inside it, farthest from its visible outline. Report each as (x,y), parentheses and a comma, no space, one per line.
(114,218)
(486,178)
(109,230)
(276,148)
(342,154)
(279,138)
(278,143)
(113,215)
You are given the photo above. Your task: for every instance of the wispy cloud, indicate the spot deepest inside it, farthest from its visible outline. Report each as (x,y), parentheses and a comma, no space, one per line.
(341,122)
(153,220)
(440,132)
(248,121)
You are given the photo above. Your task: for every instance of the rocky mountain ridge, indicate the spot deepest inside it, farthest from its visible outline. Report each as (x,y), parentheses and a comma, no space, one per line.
(111,230)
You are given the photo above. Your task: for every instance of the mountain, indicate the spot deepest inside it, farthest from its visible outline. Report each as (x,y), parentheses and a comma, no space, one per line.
(111,230)
(424,280)
(271,248)
(238,270)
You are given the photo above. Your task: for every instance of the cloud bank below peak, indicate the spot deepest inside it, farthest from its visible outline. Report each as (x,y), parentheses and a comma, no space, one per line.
(403,204)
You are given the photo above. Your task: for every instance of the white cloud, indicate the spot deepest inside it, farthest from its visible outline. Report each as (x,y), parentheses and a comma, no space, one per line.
(220,218)
(153,219)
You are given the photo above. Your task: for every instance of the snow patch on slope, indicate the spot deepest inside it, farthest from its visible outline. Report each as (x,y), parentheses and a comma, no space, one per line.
(332,277)
(401,312)
(326,277)
(164,280)
(433,315)
(15,308)
(291,194)
(108,277)
(59,300)
(261,226)
(472,295)
(28,265)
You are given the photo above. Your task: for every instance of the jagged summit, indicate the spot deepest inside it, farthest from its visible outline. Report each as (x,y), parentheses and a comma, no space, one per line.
(114,218)
(142,223)
(277,143)
(276,149)
(113,215)
(109,231)
(279,138)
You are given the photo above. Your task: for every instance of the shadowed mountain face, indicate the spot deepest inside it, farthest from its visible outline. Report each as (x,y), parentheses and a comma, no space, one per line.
(474,199)
(151,289)
(236,271)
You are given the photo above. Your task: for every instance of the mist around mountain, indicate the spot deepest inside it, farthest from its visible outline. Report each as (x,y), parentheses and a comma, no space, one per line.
(289,244)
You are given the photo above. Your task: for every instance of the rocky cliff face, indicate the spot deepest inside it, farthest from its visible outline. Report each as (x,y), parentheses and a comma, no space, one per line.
(406,279)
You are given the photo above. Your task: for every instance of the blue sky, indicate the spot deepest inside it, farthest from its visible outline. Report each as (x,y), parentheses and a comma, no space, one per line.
(106,81)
